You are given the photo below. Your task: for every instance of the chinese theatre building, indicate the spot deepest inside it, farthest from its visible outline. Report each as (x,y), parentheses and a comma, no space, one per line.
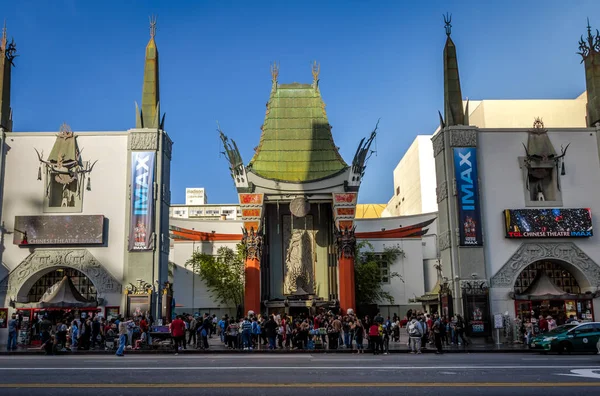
(299,220)
(84,214)
(517,208)
(298,199)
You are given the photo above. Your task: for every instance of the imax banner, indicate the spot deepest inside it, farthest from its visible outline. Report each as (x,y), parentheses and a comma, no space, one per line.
(465,171)
(141,225)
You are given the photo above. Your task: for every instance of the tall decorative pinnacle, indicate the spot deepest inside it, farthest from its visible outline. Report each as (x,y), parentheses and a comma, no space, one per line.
(152,26)
(274,72)
(590,44)
(454,113)
(448,24)
(316,69)
(7,55)
(150,115)
(589,49)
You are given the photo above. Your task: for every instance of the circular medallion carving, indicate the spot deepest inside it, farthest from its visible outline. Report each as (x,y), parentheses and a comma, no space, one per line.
(300,206)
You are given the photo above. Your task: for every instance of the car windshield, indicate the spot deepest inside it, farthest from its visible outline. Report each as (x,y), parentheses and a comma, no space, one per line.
(562,329)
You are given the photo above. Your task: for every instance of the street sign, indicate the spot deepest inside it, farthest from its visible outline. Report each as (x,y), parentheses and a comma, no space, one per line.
(498,321)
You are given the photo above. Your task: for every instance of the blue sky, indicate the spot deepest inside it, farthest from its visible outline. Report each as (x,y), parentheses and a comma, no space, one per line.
(81,62)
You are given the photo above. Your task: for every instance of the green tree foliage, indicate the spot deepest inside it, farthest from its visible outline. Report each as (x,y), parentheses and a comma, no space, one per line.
(222,273)
(367,274)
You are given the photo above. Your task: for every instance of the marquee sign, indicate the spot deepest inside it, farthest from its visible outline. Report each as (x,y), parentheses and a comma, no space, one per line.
(548,223)
(467,185)
(141,224)
(59,230)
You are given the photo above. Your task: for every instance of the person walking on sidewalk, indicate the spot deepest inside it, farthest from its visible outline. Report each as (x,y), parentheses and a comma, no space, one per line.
(415,333)
(13,327)
(178,333)
(460,330)
(123,330)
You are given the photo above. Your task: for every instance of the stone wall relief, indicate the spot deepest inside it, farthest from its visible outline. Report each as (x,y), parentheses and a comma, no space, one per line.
(541,166)
(442,191)
(529,253)
(66,174)
(444,241)
(79,259)
(438,143)
(298,242)
(143,140)
(463,138)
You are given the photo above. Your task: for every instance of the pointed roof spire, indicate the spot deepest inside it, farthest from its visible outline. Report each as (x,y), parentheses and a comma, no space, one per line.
(7,55)
(150,111)
(4,38)
(316,69)
(589,49)
(453,106)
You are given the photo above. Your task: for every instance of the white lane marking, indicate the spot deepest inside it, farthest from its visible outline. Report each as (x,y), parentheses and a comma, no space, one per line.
(586,373)
(447,372)
(204,368)
(554,359)
(344,360)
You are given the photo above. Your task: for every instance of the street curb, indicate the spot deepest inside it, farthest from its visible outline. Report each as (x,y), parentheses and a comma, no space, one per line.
(260,352)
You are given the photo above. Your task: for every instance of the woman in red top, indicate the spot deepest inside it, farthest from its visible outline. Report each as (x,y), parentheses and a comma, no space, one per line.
(177,332)
(374,337)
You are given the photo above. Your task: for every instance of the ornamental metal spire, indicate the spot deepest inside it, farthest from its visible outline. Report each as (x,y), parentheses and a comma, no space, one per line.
(589,49)
(152,26)
(448,25)
(316,69)
(453,106)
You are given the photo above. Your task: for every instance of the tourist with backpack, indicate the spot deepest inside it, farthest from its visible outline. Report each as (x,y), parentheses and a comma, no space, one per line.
(415,333)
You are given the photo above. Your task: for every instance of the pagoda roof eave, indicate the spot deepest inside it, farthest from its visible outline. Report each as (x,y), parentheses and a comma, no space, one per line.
(327,185)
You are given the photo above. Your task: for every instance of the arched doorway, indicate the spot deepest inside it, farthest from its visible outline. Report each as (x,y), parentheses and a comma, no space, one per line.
(53,296)
(550,287)
(84,286)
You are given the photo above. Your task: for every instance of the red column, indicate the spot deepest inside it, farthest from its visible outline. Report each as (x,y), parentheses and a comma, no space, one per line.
(346,282)
(252,286)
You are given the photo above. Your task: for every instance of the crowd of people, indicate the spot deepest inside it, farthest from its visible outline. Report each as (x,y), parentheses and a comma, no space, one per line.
(75,332)
(325,330)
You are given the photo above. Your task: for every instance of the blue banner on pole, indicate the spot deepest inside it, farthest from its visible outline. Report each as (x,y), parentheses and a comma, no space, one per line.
(467,185)
(141,226)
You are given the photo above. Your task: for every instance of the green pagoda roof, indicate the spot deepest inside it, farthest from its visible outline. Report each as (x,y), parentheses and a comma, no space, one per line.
(296,144)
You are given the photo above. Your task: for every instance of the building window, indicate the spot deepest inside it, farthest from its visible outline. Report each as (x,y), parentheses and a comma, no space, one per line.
(559,276)
(81,282)
(398,190)
(384,268)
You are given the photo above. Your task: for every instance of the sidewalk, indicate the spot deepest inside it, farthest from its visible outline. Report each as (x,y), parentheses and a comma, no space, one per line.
(215,346)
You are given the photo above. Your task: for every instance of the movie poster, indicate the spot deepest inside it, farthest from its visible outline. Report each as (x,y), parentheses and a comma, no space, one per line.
(141,226)
(548,223)
(3,318)
(467,185)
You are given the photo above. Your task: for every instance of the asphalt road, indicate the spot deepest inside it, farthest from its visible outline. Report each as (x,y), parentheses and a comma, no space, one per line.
(323,374)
